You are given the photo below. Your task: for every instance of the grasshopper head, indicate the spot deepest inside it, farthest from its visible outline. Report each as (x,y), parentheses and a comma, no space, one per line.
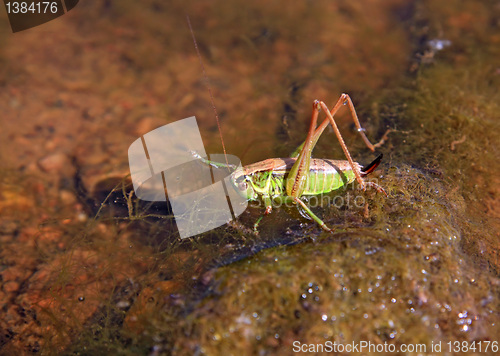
(242,184)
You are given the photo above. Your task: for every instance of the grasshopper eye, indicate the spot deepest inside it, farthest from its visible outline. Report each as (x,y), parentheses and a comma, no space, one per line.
(241,183)
(243,186)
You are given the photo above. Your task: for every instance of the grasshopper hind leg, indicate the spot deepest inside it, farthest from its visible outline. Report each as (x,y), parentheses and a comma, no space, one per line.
(296,181)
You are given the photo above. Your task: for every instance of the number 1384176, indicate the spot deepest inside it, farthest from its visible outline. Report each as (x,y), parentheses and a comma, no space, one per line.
(474,346)
(33,7)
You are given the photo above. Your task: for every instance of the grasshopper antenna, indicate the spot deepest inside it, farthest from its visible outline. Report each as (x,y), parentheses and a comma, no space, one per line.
(207,83)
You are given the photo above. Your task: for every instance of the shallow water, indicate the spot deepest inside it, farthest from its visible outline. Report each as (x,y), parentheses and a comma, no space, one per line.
(418,267)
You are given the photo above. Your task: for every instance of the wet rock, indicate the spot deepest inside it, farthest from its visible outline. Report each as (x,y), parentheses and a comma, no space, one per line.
(147,124)
(56,163)
(67,197)
(11,287)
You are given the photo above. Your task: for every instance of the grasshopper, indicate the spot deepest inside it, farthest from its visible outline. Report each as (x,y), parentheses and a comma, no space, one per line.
(288,179)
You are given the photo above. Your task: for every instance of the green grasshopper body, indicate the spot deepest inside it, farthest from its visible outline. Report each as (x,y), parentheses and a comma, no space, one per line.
(267,178)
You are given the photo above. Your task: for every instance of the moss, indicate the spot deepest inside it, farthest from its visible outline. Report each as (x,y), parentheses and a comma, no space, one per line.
(405,279)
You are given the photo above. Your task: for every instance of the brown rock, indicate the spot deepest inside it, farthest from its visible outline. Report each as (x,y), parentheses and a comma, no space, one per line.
(54,163)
